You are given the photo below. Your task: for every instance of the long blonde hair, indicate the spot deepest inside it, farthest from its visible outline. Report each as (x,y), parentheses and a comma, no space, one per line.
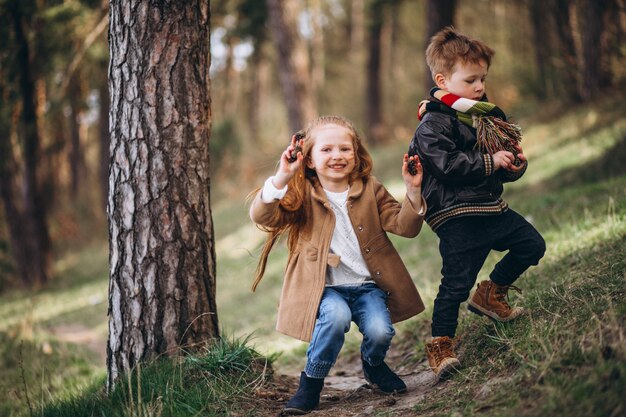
(293,207)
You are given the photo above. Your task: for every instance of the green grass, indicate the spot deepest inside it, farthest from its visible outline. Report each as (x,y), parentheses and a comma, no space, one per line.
(567,356)
(37,370)
(222,378)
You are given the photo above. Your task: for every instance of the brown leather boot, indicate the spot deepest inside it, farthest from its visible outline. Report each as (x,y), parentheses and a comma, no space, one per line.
(490,299)
(441,357)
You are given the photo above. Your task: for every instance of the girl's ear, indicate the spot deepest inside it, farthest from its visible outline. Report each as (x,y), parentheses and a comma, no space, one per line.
(440,80)
(309,163)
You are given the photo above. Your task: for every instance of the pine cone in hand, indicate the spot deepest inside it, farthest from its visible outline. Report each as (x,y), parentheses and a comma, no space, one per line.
(294,154)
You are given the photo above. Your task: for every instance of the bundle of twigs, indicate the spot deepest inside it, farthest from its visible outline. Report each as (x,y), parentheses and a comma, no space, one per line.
(494,134)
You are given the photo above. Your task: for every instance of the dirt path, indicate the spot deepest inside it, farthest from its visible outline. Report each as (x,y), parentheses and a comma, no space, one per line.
(346,393)
(80,334)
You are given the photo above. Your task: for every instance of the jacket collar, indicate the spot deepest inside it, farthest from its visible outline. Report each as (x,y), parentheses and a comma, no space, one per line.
(356,189)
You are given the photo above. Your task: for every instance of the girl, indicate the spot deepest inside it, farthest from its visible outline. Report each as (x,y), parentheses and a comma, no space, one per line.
(342,266)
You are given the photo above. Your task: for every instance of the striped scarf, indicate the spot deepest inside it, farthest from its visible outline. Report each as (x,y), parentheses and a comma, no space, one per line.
(493,132)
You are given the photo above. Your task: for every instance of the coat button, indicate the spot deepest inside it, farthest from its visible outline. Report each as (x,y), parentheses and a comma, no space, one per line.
(360,228)
(378,274)
(367,250)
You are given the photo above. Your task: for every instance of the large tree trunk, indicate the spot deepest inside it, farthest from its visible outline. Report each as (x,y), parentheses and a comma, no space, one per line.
(104,140)
(162,254)
(375,122)
(34,227)
(293,63)
(439,14)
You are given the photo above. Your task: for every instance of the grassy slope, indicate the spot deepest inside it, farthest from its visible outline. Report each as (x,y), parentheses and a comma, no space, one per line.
(566,355)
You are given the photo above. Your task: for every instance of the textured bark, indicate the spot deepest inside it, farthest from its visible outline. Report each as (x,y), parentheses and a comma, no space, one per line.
(162,254)
(105,140)
(35,241)
(439,14)
(293,63)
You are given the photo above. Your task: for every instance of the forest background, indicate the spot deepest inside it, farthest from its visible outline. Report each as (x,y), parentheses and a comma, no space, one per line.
(363,59)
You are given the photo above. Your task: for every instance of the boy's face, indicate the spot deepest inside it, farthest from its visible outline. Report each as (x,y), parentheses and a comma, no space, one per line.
(467,80)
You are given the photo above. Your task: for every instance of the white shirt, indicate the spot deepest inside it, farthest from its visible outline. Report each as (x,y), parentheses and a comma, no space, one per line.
(352,269)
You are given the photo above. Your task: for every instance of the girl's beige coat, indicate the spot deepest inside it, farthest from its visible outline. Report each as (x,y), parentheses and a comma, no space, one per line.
(373,212)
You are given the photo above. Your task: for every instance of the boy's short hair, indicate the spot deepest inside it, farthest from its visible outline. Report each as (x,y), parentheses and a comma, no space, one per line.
(448,46)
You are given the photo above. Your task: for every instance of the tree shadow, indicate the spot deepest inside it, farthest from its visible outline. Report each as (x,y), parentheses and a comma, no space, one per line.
(612,164)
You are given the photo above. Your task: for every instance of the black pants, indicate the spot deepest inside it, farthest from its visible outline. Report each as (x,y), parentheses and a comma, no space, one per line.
(464,244)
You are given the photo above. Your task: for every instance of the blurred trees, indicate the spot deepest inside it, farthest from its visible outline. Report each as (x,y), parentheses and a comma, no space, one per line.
(439,14)
(275,65)
(162,259)
(293,62)
(43,112)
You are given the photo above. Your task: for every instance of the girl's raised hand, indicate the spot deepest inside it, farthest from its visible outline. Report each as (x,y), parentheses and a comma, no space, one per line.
(413,181)
(288,165)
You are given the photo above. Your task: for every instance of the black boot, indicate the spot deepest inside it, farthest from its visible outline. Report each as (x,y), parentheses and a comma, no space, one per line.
(306,398)
(383,378)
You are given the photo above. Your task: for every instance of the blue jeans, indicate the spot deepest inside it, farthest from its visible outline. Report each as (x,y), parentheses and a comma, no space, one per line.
(464,244)
(366,306)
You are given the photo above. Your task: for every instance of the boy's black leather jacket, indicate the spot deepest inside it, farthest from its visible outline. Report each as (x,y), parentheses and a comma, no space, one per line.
(459,180)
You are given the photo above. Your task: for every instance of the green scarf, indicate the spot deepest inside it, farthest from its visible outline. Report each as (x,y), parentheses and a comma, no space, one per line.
(493,132)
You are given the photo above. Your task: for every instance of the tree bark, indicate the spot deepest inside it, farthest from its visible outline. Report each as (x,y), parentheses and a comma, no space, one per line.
(105,141)
(293,63)
(439,14)
(34,227)
(162,253)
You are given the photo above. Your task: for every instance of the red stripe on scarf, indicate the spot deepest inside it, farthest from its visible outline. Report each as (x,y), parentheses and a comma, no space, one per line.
(449,99)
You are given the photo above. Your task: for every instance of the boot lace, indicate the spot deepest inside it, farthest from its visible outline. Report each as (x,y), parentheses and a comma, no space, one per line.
(441,349)
(502,293)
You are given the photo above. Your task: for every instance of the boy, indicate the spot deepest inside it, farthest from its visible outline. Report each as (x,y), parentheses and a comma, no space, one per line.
(462,187)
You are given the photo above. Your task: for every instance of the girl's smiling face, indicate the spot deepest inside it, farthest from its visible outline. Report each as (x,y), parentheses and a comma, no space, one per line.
(332,156)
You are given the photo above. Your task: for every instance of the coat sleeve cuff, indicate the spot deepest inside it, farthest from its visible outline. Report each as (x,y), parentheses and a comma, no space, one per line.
(488,160)
(270,193)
